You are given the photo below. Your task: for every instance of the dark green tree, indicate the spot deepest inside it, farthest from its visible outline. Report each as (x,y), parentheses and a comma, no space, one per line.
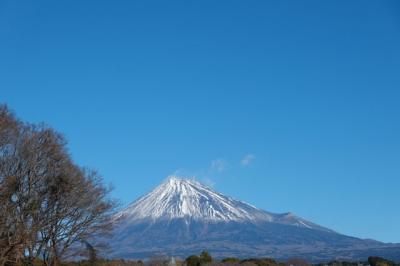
(378,261)
(193,260)
(205,257)
(230,260)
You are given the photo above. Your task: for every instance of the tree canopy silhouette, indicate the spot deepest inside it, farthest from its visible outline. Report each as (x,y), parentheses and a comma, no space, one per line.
(47,202)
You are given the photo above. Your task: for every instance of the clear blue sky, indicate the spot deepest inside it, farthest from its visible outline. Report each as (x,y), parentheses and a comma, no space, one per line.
(289,106)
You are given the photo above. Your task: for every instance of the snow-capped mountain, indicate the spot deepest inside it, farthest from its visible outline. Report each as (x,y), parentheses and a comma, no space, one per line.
(182,217)
(188,199)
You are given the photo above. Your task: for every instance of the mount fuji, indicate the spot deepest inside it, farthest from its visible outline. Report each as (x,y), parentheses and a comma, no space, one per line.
(181,217)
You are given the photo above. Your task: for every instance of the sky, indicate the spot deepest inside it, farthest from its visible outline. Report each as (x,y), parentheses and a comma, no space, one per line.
(287,105)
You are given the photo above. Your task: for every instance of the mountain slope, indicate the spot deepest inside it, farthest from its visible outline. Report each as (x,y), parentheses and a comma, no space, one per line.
(182,217)
(190,200)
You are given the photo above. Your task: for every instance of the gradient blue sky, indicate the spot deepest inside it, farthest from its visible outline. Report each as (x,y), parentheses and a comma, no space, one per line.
(308,92)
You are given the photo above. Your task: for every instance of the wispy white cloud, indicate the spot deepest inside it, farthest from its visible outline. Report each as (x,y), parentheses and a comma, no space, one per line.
(184,173)
(218,165)
(208,181)
(247,159)
(207,176)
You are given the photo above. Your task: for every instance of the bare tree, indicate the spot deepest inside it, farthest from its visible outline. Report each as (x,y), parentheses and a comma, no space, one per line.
(11,231)
(78,210)
(47,202)
(157,260)
(297,262)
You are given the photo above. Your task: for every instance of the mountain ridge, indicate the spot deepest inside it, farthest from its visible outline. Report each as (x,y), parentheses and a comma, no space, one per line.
(189,199)
(181,217)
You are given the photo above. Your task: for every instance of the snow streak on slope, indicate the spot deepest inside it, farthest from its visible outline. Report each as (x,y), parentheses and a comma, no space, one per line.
(190,200)
(183,198)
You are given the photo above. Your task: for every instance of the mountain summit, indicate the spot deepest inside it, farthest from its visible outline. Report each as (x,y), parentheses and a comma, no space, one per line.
(188,199)
(181,217)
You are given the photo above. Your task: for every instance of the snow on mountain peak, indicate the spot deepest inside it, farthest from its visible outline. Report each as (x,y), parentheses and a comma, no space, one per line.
(189,199)
(182,216)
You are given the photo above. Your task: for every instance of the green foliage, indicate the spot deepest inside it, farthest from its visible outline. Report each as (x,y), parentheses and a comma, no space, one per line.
(193,260)
(261,262)
(205,257)
(342,263)
(378,261)
(230,260)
